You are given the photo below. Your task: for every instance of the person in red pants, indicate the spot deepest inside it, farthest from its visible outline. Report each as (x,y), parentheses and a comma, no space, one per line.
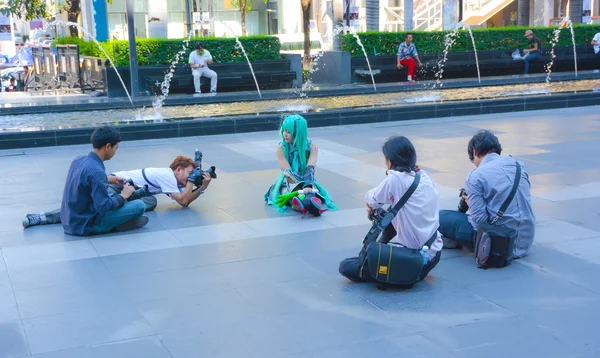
(407,54)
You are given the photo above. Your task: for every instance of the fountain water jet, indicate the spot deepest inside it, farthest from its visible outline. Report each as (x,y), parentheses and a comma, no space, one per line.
(554,41)
(449,41)
(241,47)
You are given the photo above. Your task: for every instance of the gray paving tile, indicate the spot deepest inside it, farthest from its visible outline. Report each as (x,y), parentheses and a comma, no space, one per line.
(570,324)
(35,235)
(207,309)
(8,307)
(134,242)
(5,284)
(13,343)
(560,231)
(413,345)
(65,273)
(85,296)
(27,256)
(253,338)
(464,272)
(300,295)
(265,270)
(84,328)
(149,347)
(533,292)
(443,306)
(503,338)
(174,283)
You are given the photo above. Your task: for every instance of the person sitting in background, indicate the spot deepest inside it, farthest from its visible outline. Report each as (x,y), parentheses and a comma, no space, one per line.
(596,44)
(531,54)
(199,61)
(407,53)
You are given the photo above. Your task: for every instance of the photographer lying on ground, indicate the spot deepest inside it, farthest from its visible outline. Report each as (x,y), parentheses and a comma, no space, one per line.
(486,190)
(184,181)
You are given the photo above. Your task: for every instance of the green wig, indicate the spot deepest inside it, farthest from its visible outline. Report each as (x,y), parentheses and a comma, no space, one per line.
(298,128)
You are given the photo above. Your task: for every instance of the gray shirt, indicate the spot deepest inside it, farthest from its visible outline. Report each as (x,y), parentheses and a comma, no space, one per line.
(489,185)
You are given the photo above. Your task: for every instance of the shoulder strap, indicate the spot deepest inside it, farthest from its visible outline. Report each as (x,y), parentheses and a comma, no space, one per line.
(506,203)
(406,195)
(147,180)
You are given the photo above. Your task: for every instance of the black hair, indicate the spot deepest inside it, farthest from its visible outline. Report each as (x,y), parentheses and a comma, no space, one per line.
(199,45)
(25,67)
(105,135)
(484,142)
(401,153)
(407,34)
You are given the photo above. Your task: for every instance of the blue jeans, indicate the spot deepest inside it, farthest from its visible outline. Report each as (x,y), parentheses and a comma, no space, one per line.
(533,56)
(456,226)
(129,211)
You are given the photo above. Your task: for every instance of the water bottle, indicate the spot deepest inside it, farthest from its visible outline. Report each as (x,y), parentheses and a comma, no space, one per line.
(425,254)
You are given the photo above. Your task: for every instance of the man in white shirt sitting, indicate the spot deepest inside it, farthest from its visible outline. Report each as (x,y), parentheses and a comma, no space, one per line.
(177,182)
(596,44)
(199,61)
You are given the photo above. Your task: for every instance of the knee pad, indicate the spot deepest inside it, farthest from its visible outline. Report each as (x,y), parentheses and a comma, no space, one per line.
(309,203)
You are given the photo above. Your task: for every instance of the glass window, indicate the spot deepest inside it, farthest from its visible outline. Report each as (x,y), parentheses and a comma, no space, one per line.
(116,6)
(140,5)
(175,5)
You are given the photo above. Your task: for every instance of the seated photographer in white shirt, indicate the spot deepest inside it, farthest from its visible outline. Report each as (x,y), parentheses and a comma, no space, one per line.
(199,60)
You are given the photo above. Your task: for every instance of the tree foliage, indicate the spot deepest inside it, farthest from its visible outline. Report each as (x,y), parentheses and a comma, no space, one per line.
(34,9)
(245,6)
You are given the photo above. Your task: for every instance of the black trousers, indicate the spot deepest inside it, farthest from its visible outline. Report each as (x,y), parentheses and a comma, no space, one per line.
(456,226)
(350,267)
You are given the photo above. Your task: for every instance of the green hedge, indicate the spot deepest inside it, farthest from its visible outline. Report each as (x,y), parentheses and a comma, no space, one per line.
(163,51)
(501,38)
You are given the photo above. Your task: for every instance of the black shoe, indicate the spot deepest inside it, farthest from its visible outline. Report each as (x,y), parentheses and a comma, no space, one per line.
(136,223)
(449,243)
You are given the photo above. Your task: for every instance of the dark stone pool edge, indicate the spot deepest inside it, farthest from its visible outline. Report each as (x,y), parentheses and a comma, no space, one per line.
(257,123)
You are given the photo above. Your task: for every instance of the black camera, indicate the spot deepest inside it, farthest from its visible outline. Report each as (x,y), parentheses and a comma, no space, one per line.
(377,215)
(463,207)
(139,192)
(212,171)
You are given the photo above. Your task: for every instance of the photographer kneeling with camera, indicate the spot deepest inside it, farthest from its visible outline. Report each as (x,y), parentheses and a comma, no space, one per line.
(497,196)
(411,246)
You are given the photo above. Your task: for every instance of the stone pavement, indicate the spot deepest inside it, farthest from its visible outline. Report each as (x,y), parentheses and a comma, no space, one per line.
(231,277)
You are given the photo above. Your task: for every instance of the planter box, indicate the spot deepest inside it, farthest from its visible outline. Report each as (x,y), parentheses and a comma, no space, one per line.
(232,77)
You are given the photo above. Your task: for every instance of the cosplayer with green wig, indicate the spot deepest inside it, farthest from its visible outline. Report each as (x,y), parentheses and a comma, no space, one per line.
(296,185)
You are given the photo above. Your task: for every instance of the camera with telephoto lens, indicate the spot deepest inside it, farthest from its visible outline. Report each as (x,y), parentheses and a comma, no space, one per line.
(463,207)
(139,192)
(212,171)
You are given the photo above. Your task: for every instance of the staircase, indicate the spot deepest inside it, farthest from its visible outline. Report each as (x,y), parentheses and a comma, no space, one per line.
(428,15)
(477,12)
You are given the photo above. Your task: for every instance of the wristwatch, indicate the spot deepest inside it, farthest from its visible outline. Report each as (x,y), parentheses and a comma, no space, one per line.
(201,191)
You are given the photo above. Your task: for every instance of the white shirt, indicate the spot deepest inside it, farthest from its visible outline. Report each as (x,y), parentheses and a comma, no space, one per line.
(164,178)
(597,39)
(196,59)
(418,220)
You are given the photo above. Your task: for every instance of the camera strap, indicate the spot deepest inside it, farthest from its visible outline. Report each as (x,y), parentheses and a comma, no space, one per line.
(148,180)
(506,203)
(390,215)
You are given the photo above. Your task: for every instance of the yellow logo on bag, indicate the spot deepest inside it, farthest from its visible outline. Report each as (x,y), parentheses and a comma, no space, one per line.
(383,270)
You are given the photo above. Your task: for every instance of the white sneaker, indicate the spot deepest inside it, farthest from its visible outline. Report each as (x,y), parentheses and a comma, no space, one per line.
(409,78)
